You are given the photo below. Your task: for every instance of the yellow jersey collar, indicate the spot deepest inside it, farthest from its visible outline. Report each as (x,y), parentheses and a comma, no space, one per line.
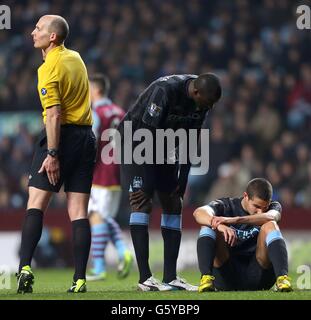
(54,51)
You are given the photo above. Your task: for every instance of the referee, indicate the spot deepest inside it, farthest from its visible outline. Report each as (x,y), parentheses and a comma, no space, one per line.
(65,151)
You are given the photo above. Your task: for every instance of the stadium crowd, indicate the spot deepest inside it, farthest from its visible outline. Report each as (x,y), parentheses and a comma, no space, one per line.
(262,125)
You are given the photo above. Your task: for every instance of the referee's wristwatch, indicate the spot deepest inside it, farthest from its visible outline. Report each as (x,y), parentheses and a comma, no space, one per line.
(52,152)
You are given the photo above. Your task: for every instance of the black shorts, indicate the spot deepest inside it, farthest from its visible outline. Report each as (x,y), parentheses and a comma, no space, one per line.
(243,273)
(77,155)
(133,178)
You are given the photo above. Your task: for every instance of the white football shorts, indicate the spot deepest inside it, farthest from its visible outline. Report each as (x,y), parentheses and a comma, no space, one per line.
(104,201)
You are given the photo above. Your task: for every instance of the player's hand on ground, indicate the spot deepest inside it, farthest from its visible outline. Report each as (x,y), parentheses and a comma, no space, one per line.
(138,199)
(216,221)
(51,166)
(229,234)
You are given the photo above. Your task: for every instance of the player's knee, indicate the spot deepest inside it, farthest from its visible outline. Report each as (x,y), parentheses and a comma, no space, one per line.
(172,204)
(146,208)
(220,238)
(269,226)
(38,199)
(140,202)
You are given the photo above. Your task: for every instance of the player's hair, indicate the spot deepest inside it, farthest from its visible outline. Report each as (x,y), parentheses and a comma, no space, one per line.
(60,26)
(102,82)
(261,188)
(208,84)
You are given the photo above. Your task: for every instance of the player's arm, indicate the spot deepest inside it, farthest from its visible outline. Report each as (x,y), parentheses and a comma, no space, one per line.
(204,215)
(273,214)
(257,219)
(51,162)
(155,109)
(50,99)
(52,125)
(184,169)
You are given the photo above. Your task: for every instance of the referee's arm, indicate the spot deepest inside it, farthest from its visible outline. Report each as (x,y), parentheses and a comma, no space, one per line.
(52,125)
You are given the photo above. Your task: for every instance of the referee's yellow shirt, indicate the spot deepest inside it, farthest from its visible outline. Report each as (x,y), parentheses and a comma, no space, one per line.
(63,80)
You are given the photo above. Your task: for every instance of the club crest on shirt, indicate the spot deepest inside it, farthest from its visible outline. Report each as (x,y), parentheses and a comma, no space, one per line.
(154,110)
(137,182)
(43,91)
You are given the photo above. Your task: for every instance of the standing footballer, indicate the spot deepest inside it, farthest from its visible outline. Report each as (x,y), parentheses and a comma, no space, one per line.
(176,102)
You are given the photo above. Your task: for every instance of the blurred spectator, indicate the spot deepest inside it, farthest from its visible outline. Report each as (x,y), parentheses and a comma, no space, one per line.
(231,180)
(224,185)
(303,196)
(265,124)
(299,99)
(249,161)
(287,197)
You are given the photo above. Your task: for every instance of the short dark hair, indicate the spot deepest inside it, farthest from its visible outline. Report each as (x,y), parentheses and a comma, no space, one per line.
(260,188)
(102,81)
(60,26)
(208,84)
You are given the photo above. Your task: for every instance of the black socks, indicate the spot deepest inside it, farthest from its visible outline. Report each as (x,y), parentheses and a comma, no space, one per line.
(206,249)
(278,256)
(140,238)
(171,240)
(31,234)
(81,235)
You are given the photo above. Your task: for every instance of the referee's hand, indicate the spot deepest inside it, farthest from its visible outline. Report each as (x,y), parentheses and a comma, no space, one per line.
(51,166)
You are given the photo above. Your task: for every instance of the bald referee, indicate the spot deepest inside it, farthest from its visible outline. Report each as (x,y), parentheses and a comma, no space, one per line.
(65,151)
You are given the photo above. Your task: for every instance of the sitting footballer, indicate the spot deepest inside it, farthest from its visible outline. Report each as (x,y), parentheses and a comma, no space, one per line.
(240,245)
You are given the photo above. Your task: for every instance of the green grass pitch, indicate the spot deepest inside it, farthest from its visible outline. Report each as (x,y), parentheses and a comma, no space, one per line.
(51,284)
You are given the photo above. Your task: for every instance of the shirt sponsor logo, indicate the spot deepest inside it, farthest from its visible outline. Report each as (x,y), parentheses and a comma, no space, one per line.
(188,118)
(246,234)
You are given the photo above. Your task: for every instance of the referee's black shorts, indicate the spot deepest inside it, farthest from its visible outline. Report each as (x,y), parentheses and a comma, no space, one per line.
(77,155)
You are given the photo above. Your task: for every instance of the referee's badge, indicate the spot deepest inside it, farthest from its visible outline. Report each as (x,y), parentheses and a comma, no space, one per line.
(154,110)
(43,91)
